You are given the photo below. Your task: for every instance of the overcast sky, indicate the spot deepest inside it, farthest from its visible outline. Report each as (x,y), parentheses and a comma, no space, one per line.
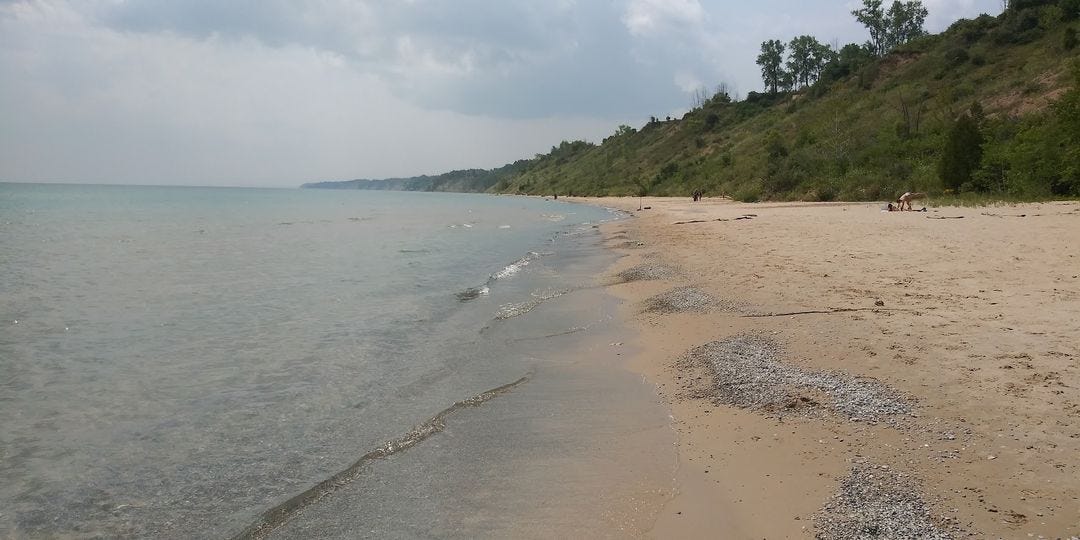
(280,92)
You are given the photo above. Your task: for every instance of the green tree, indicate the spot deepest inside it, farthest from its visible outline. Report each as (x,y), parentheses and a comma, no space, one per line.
(962,154)
(771,61)
(823,56)
(873,18)
(906,20)
(807,60)
(847,61)
(901,23)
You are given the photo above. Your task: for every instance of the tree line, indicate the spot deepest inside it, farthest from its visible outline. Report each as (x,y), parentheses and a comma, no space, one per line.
(809,60)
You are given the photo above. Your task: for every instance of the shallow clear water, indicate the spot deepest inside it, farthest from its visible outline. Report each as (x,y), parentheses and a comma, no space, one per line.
(174,362)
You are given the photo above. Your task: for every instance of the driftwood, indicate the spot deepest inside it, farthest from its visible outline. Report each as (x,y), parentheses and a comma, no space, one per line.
(745,216)
(823,311)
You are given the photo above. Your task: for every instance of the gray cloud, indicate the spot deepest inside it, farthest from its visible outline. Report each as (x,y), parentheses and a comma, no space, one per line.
(520,59)
(276,92)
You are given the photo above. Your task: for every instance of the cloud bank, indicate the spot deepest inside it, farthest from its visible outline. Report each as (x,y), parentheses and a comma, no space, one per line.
(276,92)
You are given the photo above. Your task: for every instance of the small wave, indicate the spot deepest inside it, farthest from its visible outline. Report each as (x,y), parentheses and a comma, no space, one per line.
(277,516)
(509,270)
(516,266)
(504,226)
(555,218)
(548,294)
(509,311)
(516,309)
(472,293)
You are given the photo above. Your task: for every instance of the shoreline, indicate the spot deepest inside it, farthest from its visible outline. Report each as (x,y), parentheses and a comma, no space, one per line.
(974,320)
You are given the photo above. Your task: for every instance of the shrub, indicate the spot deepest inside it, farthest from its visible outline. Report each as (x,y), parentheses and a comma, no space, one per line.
(962,153)
(868,74)
(774,146)
(748,194)
(1070,9)
(1068,42)
(826,193)
(1021,25)
(970,31)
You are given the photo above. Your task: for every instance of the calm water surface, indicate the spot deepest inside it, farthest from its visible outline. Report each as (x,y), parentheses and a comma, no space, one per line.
(177,362)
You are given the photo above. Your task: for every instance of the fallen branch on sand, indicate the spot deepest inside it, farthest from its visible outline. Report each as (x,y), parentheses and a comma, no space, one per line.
(824,311)
(1073,213)
(944,217)
(746,216)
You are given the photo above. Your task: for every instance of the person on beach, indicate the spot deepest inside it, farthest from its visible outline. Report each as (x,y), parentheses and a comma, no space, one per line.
(906,198)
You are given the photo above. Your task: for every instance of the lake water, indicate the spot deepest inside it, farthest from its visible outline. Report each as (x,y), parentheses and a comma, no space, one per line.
(198,362)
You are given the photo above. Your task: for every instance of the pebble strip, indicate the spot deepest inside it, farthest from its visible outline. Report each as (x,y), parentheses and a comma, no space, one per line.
(683,299)
(875,502)
(747,372)
(648,272)
(679,300)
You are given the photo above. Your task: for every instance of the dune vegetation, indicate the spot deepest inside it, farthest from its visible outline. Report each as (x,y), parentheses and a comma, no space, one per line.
(989,108)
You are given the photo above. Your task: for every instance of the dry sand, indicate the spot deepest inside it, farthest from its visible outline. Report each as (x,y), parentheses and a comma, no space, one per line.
(975,321)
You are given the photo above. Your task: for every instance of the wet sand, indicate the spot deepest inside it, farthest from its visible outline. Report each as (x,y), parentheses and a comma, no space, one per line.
(971,315)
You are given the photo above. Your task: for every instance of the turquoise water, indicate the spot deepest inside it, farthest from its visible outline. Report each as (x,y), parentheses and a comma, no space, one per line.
(178,362)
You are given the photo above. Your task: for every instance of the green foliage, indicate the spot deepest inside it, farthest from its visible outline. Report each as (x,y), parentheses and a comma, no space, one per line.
(774,146)
(1070,9)
(848,60)
(1068,41)
(962,154)
(711,120)
(808,60)
(970,31)
(869,128)
(902,23)
(771,61)
(1019,25)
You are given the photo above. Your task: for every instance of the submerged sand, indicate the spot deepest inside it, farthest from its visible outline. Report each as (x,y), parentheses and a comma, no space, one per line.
(967,327)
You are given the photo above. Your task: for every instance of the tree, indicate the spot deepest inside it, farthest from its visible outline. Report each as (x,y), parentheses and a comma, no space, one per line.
(800,60)
(807,60)
(902,23)
(873,18)
(771,61)
(847,61)
(906,21)
(824,56)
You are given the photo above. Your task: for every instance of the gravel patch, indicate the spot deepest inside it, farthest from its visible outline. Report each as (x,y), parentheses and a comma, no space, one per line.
(748,372)
(875,502)
(648,272)
(679,300)
(683,299)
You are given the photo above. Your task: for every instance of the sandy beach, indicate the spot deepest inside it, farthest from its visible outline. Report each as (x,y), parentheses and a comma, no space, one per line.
(837,371)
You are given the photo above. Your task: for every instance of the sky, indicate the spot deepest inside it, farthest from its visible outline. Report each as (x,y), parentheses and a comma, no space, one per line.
(280,92)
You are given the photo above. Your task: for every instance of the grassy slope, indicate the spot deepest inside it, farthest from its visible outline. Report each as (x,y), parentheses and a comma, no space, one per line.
(841,140)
